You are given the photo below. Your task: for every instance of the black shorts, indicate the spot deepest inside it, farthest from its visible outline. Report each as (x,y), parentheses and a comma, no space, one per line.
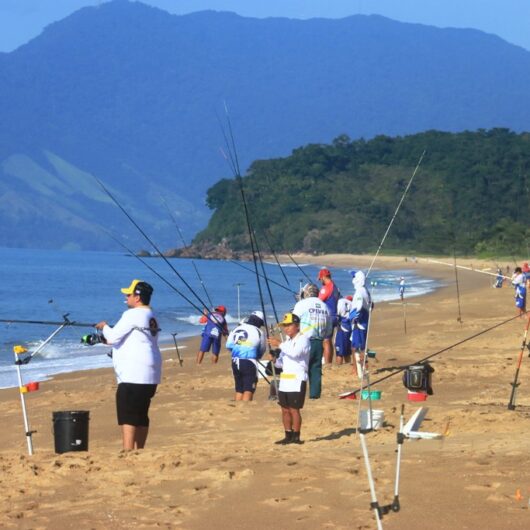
(132,403)
(245,375)
(292,400)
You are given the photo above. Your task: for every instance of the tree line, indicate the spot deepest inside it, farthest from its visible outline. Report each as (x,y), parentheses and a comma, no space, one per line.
(470,195)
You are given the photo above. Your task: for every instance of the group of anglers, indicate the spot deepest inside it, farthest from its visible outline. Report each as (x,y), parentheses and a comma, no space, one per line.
(319,316)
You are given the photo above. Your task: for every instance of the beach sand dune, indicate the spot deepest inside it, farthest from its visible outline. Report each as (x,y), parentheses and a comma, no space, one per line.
(212,463)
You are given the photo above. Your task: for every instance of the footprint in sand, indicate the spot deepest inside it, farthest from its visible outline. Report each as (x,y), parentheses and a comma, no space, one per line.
(308,507)
(275,501)
(309,489)
(482,487)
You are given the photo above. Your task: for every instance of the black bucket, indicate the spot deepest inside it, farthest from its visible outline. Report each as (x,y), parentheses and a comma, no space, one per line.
(70,430)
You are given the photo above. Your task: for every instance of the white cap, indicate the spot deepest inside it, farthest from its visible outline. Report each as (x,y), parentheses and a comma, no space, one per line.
(259,314)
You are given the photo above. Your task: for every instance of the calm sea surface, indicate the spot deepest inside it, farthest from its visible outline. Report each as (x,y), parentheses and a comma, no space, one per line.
(45,284)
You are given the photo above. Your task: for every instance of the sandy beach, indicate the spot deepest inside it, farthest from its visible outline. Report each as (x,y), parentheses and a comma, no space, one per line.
(212,463)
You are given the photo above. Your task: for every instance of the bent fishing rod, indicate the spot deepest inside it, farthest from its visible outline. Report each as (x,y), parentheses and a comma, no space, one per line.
(396,212)
(400,369)
(151,242)
(184,243)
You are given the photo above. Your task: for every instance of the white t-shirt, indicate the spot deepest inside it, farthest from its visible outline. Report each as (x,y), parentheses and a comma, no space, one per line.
(294,360)
(343,308)
(135,353)
(315,318)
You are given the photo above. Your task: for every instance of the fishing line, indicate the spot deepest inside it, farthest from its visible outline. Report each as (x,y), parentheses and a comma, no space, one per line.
(437,262)
(184,243)
(396,212)
(402,368)
(261,276)
(299,268)
(155,247)
(154,271)
(275,257)
(266,279)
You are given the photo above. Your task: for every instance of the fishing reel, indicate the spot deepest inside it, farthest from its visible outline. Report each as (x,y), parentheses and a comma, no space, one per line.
(92,339)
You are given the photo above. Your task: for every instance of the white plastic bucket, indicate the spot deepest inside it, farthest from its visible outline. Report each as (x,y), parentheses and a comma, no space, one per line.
(378,417)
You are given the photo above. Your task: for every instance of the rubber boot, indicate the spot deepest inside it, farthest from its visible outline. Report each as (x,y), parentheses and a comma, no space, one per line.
(295,438)
(288,438)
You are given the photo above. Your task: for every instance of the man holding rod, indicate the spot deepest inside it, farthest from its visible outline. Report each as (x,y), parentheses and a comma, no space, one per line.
(137,362)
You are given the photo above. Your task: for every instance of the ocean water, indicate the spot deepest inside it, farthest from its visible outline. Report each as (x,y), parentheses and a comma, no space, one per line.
(45,285)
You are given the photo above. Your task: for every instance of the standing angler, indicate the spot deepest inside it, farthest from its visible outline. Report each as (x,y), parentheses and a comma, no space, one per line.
(343,335)
(359,317)
(247,343)
(401,288)
(329,294)
(315,324)
(215,328)
(519,282)
(137,362)
(293,359)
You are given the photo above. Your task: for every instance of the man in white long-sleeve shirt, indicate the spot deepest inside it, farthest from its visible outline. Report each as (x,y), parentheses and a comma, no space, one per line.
(293,358)
(137,362)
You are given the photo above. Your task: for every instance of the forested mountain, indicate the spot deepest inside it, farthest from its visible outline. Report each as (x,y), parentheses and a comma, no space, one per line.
(471,193)
(131,94)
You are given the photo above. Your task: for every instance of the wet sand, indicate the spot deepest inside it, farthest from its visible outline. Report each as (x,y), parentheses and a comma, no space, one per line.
(212,463)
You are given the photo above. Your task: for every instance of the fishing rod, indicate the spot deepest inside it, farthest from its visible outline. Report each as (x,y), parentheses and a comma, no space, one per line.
(396,212)
(515,384)
(276,258)
(18,351)
(459,318)
(261,276)
(400,369)
(150,241)
(174,335)
(65,323)
(184,243)
(374,504)
(232,151)
(266,280)
(167,282)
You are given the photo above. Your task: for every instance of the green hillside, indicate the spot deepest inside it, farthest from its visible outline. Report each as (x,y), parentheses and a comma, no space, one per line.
(471,192)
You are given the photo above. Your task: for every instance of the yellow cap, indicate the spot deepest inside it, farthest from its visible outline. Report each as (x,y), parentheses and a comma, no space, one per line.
(131,288)
(290,318)
(18,349)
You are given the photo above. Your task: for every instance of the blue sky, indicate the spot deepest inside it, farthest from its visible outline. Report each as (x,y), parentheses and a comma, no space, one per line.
(21,20)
